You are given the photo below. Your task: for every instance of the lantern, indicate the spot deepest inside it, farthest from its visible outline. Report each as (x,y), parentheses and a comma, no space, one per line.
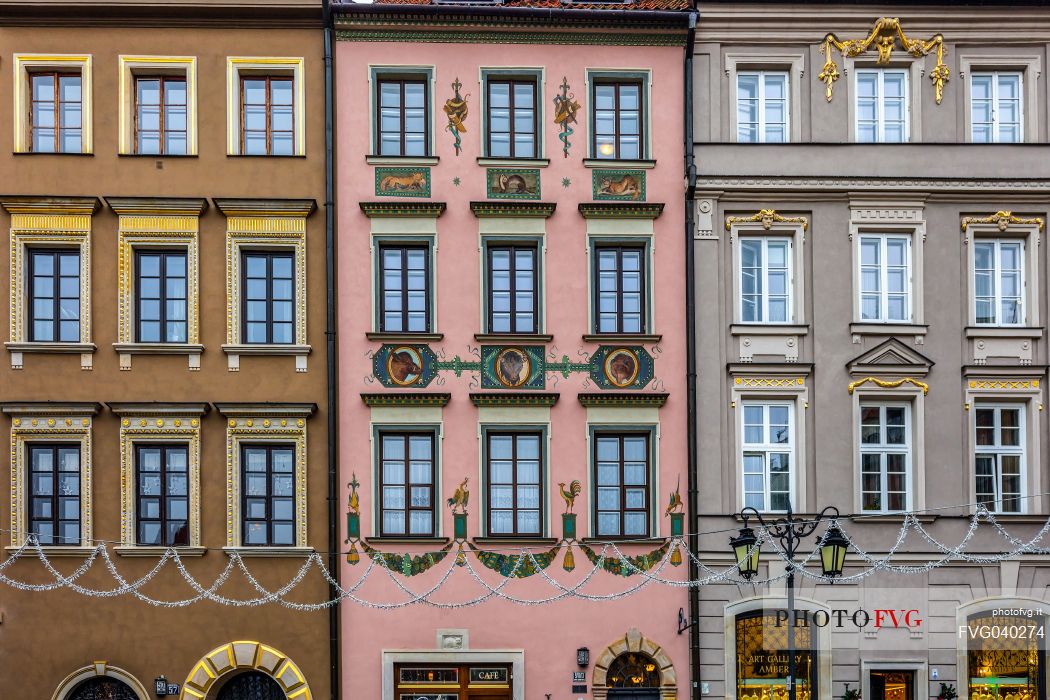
(746,552)
(833,552)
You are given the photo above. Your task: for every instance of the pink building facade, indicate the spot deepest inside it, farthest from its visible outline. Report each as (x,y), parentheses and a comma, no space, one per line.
(511,322)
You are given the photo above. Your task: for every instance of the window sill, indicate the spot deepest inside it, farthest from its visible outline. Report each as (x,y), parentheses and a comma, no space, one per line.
(769,329)
(85,350)
(401,160)
(301,156)
(513,337)
(55,551)
(859,328)
(36,153)
(518,541)
(622,541)
(407,540)
(152,551)
(863,517)
(234,352)
(159,348)
(643,163)
(514,162)
(158,156)
(1004,332)
(1019,518)
(622,338)
(384,337)
(269,551)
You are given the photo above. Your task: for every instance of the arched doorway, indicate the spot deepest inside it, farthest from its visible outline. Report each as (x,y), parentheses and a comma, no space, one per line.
(102,688)
(251,685)
(636,668)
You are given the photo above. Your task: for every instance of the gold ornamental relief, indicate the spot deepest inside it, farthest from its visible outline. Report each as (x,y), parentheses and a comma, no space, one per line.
(886,384)
(1003,219)
(884,38)
(767,217)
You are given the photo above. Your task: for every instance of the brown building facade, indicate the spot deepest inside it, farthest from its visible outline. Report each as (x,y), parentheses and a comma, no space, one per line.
(163,380)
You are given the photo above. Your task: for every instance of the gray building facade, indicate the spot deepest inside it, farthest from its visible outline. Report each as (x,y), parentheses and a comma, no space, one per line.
(871,263)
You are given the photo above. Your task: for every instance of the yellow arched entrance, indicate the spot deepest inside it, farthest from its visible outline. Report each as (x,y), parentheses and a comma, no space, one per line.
(634,641)
(99,668)
(243,656)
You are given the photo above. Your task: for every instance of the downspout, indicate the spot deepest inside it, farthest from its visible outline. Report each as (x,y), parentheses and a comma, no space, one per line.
(690,340)
(330,350)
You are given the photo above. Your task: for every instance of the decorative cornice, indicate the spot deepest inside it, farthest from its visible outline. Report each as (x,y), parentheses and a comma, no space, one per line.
(769,382)
(767,217)
(884,36)
(888,384)
(265,207)
(821,186)
(265,409)
(624,399)
(1002,219)
(513,209)
(621,210)
(406,398)
(430,210)
(51,205)
(518,398)
(180,206)
(1023,384)
(158,408)
(44,408)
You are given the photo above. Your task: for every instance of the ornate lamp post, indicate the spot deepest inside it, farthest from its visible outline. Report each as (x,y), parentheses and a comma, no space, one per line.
(790,531)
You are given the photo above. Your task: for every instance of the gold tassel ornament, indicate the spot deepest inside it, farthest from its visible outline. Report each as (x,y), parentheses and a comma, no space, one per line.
(569,563)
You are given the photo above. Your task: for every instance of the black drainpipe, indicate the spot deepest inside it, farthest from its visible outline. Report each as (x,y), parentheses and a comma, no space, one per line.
(330,330)
(690,343)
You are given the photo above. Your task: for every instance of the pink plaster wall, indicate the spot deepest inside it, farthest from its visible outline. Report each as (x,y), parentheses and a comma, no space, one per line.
(551,633)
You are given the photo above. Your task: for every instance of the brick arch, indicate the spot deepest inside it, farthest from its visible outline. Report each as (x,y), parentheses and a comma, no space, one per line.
(99,668)
(203,681)
(634,641)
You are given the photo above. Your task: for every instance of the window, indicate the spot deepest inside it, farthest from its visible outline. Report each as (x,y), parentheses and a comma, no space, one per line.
(762,107)
(885,456)
(768,455)
(996,107)
(514,473)
(54,296)
(162,497)
(512,285)
(885,278)
(160,291)
(403,117)
(622,507)
(56,112)
(620,304)
(512,123)
(54,493)
(161,125)
(1000,457)
(407,485)
(267,116)
(617,116)
(269,299)
(882,106)
(765,280)
(268,509)
(404,301)
(998,282)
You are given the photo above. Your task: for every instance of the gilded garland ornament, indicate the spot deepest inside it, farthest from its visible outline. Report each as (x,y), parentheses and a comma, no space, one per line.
(1003,219)
(767,217)
(456,109)
(884,37)
(885,384)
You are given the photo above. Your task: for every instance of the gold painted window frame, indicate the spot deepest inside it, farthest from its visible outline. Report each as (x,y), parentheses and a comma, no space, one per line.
(276,427)
(167,429)
(132,66)
(47,428)
(25,63)
(236,66)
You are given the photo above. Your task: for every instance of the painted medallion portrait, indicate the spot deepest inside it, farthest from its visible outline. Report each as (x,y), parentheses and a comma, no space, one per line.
(513,367)
(404,365)
(621,367)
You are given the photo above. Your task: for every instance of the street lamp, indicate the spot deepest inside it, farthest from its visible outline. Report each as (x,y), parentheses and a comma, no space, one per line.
(790,531)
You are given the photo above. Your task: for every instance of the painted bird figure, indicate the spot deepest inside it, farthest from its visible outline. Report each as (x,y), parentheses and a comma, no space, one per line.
(675,502)
(460,497)
(570,494)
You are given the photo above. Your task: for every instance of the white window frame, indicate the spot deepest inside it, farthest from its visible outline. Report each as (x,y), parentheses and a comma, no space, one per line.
(762,75)
(749,62)
(880,120)
(1031,68)
(883,448)
(767,448)
(995,75)
(998,450)
(883,238)
(764,272)
(997,270)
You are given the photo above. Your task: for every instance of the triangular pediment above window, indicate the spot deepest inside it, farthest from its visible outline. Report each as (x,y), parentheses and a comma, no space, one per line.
(890,357)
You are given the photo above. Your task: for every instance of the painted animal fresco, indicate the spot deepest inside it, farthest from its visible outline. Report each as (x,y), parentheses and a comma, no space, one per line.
(512,368)
(622,368)
(625,186)
(400,183)
(403,366)
(513,184)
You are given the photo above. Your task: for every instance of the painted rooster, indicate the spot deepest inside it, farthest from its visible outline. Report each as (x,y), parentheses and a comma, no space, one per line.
(570,494)
(460,497)
(675,501)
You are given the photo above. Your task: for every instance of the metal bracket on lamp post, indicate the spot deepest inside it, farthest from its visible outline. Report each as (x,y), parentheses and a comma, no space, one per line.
(684,622)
